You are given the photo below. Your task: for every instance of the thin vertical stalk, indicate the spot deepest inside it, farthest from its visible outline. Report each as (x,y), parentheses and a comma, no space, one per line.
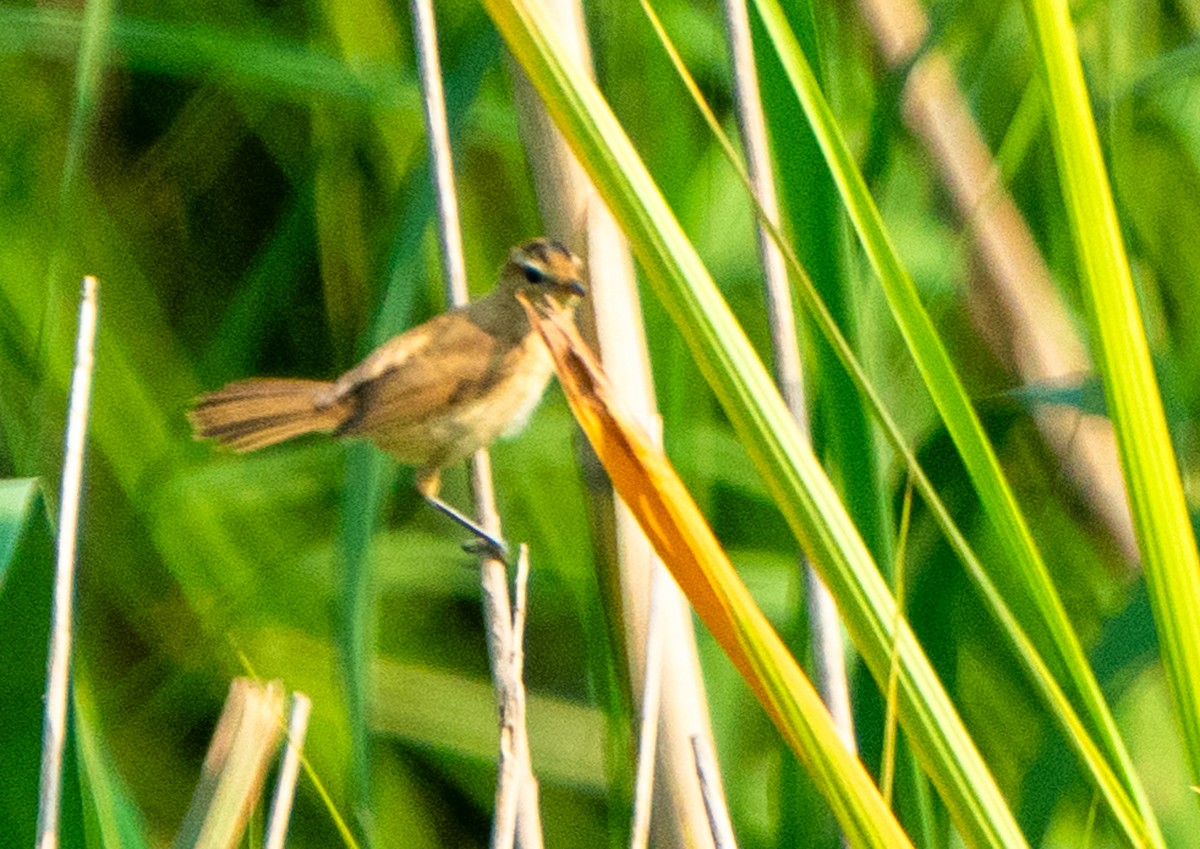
(718,817)
(829,653)
(289,771)
(497,606)
(643,784)
(58,663)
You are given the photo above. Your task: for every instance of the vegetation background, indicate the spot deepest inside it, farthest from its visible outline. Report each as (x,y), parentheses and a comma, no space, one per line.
(250,184)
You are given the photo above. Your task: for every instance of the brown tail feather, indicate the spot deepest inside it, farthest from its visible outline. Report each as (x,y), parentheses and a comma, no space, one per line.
(255,413)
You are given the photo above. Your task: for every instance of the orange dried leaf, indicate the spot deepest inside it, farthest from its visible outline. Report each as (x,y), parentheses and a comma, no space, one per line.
(648,484)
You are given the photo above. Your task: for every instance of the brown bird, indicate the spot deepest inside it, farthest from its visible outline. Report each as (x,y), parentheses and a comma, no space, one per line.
(430,396)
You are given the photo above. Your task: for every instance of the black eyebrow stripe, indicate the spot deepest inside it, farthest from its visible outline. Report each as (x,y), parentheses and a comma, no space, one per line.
(542,248)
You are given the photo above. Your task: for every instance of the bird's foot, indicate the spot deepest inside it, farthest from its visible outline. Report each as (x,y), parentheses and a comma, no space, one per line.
(489,546)
(483,543)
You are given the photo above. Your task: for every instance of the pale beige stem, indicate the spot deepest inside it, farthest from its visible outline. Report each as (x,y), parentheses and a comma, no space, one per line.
(612,323)
(58,662)
(289,772)
(829,652)
(517,818)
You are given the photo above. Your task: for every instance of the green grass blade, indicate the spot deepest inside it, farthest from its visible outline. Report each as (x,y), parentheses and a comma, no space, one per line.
(272,65)
(109,807)
(1051,630)
(26,589)
(748,396)
(1164,531)
(17,500)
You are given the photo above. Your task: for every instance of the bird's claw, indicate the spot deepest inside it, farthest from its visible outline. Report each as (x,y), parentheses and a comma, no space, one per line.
(489,546)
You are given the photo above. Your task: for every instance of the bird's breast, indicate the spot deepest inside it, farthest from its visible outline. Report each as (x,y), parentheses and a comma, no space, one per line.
(511,403)
(477,410)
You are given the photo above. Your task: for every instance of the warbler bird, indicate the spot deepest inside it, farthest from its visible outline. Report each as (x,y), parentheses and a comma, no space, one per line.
(430,396)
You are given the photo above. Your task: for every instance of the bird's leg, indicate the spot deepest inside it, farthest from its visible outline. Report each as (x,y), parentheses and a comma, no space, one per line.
(428,484)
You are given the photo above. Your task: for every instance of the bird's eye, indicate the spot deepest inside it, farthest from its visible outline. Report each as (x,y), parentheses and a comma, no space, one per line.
(534,274)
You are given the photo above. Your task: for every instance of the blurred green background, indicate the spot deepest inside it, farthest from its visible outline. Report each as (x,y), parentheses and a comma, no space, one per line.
(249,183)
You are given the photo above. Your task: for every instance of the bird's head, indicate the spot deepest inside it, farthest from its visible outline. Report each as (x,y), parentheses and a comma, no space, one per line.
(544,269)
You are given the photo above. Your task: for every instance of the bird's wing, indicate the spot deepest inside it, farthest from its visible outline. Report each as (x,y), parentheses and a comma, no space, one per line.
(418,374)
